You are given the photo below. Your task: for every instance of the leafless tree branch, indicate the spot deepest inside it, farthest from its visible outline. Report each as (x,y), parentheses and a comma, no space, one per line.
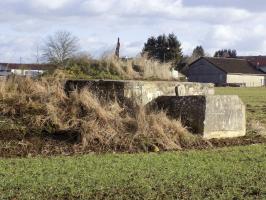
(59,47)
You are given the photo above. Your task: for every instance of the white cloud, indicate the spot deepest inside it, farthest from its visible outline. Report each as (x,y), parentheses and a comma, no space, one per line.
(53,5)
(14,49)
(93,6)
(98,23)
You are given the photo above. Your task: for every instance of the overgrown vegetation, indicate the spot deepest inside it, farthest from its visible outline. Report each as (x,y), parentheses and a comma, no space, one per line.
(62,50)
(109,67)
(42,106)
(38,118)
(230,173)
(37,107)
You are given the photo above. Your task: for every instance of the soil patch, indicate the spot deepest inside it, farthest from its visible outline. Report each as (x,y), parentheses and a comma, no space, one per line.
(14,145)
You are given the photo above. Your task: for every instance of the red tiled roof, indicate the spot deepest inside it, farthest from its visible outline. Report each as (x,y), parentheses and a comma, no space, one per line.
(28,66)
(257,61)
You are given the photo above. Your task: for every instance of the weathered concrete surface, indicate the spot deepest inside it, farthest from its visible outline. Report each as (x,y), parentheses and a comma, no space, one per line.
(211,116)
(192,89)
(141,92)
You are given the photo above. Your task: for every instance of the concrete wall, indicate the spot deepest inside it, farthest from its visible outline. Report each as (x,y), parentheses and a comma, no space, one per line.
(248,80)
(213,116)
(192,89)
(141,92)
(225,117)
(204,72)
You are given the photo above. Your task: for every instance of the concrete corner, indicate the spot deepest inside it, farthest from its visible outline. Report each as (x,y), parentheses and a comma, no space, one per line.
(211,116)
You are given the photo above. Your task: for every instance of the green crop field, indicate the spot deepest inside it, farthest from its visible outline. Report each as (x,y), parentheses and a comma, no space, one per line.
(230,173)
(254,98)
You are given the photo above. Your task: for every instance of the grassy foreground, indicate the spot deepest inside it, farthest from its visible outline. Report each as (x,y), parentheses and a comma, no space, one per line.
(231,173)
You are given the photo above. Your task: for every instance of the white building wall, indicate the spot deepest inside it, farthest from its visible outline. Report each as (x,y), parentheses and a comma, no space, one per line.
(23,72)
(17,71)
(248,80)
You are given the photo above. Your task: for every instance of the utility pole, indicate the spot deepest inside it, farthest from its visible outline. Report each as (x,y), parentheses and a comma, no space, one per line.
(37,56)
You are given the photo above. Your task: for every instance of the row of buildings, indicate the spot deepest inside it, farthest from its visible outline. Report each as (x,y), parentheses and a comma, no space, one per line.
(24,69)
(249,71)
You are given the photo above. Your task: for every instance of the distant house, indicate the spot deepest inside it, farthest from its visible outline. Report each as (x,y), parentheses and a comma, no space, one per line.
(258,61)
(24,69)
(225,71)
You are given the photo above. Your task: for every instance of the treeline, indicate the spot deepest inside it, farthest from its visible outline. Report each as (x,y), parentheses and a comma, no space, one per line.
(63,46)
(167,48)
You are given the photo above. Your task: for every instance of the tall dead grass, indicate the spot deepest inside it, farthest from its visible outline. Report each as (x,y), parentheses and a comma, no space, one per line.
(139,68)
(153,69)
(43,106)
(135,68)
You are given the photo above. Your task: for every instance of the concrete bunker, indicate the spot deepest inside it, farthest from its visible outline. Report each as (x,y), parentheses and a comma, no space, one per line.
(217,116)
(141,92)
(201,111)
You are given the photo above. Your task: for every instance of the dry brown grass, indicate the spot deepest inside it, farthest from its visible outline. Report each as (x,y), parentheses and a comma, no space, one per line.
(112,68)
(139,68)
(153,69)
(43,106)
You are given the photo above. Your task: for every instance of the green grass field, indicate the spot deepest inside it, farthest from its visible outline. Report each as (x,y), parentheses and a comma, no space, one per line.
(231,173)
(228,173)
(254,98)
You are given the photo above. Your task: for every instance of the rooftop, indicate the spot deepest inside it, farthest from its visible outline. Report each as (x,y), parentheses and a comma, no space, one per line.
(258,61)
(234,65)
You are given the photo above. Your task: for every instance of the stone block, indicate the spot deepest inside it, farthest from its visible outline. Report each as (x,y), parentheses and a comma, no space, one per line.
(194,89)
(214,116)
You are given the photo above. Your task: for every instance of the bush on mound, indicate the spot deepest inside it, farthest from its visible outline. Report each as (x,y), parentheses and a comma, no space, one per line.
(109,67)
(42,106)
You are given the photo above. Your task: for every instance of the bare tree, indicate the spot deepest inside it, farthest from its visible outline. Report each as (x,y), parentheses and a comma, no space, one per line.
(59,47)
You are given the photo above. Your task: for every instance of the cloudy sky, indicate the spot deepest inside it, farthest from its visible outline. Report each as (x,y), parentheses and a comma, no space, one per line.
(214,24)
